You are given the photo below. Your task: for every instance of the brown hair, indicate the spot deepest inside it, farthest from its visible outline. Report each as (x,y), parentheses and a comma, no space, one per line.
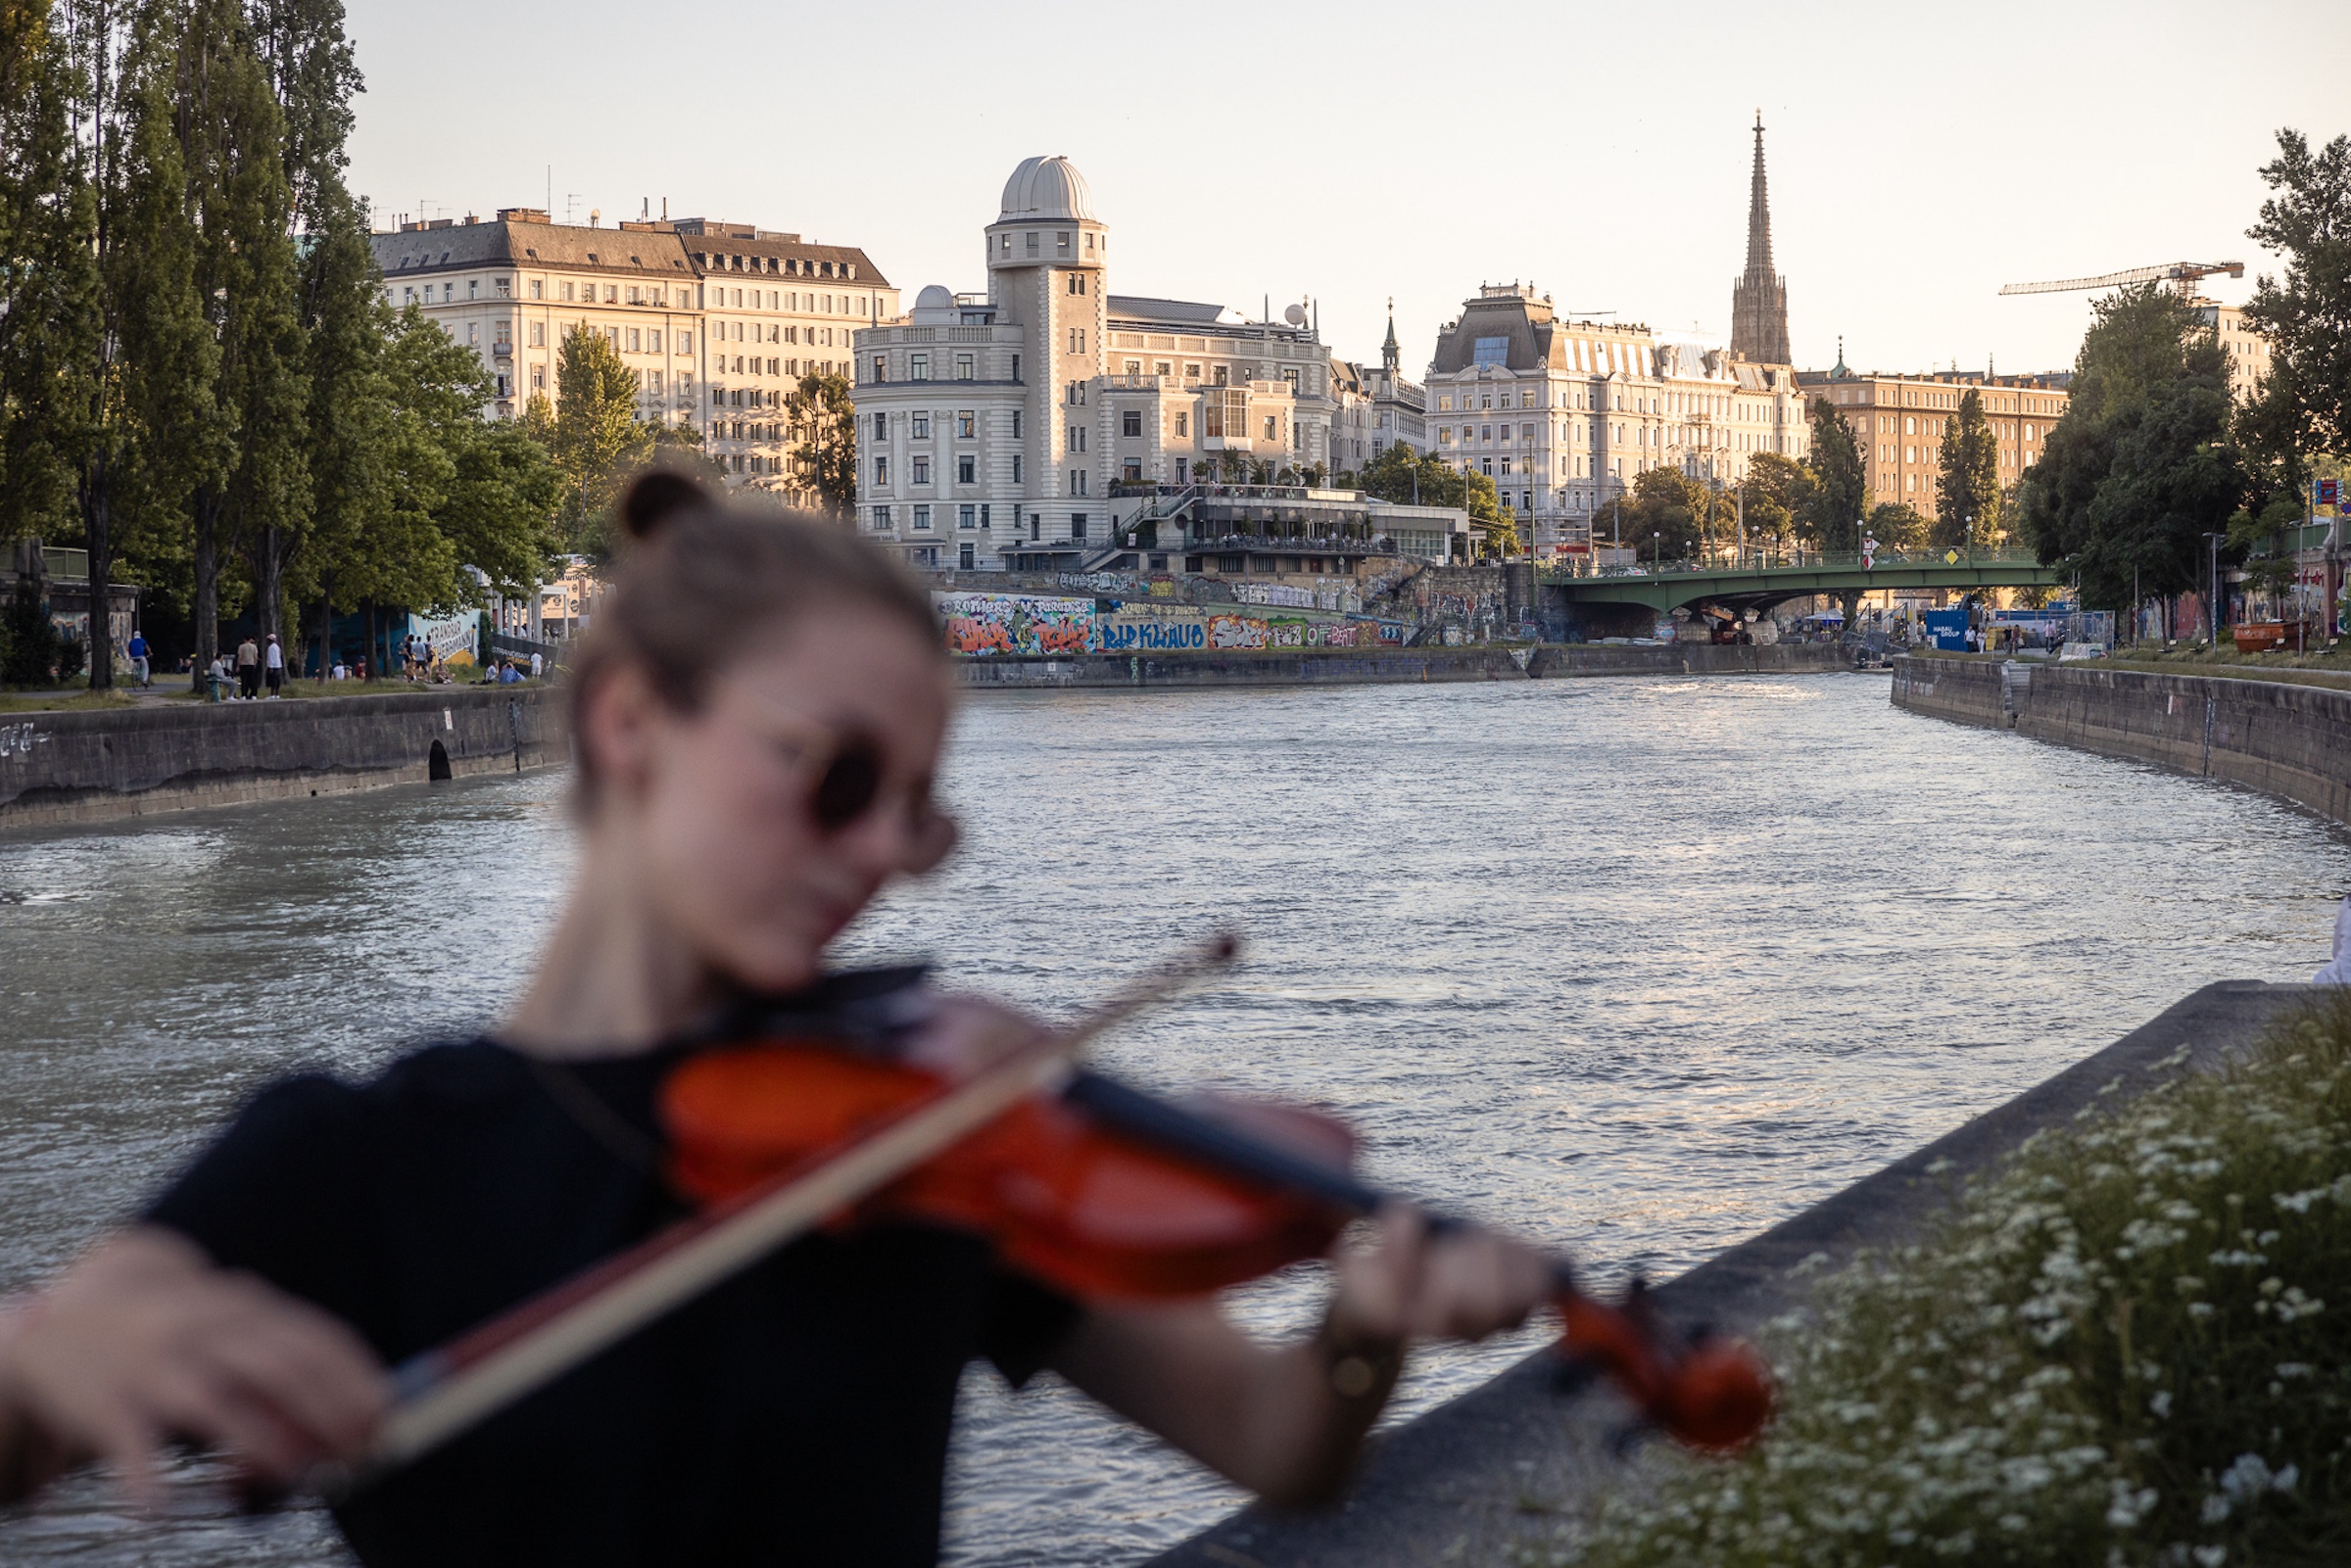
(699,578)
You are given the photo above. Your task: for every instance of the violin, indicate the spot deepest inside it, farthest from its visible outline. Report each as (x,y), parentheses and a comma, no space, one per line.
(1082,1183)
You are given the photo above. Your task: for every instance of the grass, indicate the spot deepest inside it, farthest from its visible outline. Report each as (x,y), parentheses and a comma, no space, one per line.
(62,703)
(2123,1347)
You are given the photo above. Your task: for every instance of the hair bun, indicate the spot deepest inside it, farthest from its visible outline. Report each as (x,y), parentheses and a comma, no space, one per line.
(656,496)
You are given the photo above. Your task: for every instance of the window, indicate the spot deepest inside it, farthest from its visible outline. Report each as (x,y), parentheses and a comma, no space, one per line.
(1134,471)
(1016,468)
(880,517)
(1163,368)
(922,470)
(685,343)
(1491,351)
(1076,340)
(967,518)
(473,333)
(636,342)
(1184,425)
(967,425)
(1220,375)
(963,367)
(473,288)
(881,470)
(881,425)
(538,287)
(1134,367)
(922,426)
(1130,423)
(1032,245)
(1077,525)
(964,555)
(1077,438)
(538,378)
(1077,282)
(1016,375)
(918,367)
(1016,424)
(881,367)
(965,471)
(538,334)
(1061,242)
(1270,422)
(1444,405)
(1191,373)
(921,519)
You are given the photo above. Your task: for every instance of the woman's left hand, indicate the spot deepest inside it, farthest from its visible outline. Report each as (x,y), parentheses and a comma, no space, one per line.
(1413,1282)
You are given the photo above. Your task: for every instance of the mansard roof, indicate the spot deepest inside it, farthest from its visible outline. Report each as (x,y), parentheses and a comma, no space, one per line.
(504,242)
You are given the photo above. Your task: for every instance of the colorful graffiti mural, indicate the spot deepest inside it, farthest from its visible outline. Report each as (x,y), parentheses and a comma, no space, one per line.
(979,625)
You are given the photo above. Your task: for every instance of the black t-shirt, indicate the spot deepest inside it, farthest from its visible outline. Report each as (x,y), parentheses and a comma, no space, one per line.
(797,1414)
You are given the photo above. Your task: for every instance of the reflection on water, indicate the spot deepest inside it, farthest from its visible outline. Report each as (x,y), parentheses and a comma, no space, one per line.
(1636,967)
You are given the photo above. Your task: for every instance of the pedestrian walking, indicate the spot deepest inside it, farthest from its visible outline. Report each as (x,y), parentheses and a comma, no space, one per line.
(273,666)
(538,666)
(249,669)
(217,679)
(136,647)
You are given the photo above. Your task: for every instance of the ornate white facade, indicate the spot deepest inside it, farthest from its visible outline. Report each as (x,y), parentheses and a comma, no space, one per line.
(1031,424)
(1565,415)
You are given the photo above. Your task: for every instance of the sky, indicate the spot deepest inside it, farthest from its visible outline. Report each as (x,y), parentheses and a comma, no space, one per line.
(1919,158)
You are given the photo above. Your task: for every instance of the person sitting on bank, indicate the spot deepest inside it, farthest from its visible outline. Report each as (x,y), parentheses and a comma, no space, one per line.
(740,800)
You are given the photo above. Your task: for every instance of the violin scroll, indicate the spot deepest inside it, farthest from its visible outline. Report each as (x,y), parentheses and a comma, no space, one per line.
(1708,1393)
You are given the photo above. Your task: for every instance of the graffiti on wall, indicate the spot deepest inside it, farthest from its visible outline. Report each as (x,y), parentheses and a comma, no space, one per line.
(1151,630)
(979,625)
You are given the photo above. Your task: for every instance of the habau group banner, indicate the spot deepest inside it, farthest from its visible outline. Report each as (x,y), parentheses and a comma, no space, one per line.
(455,639)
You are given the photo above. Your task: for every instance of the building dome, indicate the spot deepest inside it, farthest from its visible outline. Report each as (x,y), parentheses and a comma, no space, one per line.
(1047,188)
(935,297)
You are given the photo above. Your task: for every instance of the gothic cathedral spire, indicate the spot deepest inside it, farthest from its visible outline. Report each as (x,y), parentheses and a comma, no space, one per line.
(1389,353)
(1760,299)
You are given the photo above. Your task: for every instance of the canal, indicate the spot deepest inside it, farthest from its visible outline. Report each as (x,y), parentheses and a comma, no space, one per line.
(1636,967)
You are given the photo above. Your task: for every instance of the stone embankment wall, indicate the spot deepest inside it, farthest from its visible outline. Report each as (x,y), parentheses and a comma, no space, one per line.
(2283,738)
(1379,666)
(94,764)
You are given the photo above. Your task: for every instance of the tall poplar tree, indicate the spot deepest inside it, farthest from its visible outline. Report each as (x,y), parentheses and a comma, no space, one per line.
(594,433)
(1831,517)
(46,273)
(1967,481)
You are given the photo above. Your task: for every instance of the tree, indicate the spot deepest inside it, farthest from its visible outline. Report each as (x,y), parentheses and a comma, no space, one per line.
(1666,518)
(1422,479)
(1831,516)
(2139,468)
(824,417)
(2307,318)
(595,434)
(1773,496)
(1898,525)
(1967,483)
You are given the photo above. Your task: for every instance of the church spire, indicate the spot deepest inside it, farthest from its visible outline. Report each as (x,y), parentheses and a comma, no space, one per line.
(1389,353)
(1760,299)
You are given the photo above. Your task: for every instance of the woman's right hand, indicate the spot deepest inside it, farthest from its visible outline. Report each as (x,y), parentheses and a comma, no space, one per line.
(144,1341)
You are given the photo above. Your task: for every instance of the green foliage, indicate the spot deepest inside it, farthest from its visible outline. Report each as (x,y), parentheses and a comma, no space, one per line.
(595,435)
(1408,478)
(1774,495)
(2139,468)
(1666,518)
(825,420)
(2307,318)
(32,642)
(2122,1347)
(1967,485)
(1829,518)
(1898,525)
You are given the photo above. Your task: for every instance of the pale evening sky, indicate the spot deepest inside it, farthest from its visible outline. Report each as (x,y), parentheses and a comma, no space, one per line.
(1918,157)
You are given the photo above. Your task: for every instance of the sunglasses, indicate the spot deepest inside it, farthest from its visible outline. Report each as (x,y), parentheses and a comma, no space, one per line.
(845,787)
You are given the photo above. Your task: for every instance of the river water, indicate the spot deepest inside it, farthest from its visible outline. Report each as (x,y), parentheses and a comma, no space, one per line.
(1636,967)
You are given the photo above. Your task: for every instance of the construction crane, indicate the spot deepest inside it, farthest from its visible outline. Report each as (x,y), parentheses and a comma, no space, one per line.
(2181,275)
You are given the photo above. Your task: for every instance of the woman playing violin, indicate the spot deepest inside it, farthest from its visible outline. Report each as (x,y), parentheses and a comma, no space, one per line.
(757,716)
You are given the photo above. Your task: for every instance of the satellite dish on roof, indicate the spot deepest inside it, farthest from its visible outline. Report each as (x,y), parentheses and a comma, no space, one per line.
(1294,315)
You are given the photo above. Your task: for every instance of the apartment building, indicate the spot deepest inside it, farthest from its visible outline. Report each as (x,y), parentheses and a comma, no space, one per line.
(510,289)
(1900,422)
(718,321)
(1564,416)
(777,308)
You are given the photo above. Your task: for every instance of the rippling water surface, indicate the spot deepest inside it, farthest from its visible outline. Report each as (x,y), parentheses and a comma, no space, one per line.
(1638,967)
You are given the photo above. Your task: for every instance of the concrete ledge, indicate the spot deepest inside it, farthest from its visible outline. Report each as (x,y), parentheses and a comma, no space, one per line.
(2285,738)
(1488,1476)
(1376,666)
(97,766)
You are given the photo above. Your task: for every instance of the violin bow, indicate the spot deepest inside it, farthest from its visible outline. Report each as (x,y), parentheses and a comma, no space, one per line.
(446,1391)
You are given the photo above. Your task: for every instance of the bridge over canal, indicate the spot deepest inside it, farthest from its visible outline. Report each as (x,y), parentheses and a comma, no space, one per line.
(1759,587)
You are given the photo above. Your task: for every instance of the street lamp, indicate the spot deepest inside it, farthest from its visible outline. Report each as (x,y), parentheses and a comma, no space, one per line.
(1657,559)
(2212,599)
